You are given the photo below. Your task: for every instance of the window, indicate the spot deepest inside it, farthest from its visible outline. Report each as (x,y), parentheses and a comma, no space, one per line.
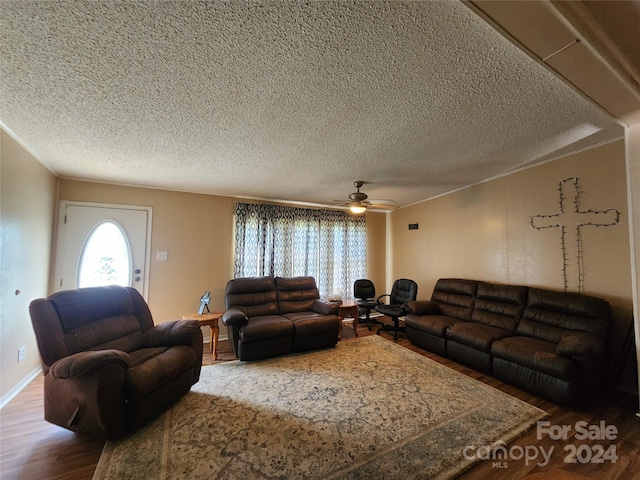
(105,257)
(328,245)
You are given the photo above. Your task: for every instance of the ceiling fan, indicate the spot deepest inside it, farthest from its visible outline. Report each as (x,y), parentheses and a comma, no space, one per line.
(359,202)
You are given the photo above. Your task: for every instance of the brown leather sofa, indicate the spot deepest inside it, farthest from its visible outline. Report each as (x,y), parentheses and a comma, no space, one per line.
(270,316)
(554,344)
(108,370)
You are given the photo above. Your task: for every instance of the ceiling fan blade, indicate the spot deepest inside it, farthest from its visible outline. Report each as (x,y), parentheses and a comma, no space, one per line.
(389,204)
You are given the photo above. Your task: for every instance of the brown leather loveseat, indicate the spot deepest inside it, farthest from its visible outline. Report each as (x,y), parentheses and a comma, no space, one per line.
(270,316)
(108,370)
(554,344)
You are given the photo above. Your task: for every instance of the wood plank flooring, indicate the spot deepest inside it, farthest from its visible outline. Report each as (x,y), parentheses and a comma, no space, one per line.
(31,448)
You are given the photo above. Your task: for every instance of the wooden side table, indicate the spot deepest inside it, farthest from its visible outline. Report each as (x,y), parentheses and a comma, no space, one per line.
(348,308)
(210,320)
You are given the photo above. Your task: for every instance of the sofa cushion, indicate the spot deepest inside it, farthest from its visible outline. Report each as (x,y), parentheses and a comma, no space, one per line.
(98,318)
(433,324)
(315,325)
(296,294)
(549,315)
(535,354)
(293,316)
(499,306)
(85,305)
(120,333)
(476,335)
(253,296)
(267,326)
(153,367)
(142,355)
(455,297)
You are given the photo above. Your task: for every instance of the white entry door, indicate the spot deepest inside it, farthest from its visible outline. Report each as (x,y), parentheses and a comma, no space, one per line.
(102,244)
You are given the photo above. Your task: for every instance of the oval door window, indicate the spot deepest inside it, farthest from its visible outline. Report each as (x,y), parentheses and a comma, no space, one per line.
(105,257)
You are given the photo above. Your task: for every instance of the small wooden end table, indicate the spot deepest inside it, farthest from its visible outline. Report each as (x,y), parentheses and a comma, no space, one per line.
(348,308)
(210,320)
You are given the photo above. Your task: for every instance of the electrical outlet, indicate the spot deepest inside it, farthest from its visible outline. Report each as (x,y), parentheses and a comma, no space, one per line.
(22,352)
(162,256)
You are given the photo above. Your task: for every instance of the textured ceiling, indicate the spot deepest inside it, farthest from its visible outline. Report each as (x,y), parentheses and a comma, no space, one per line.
(287,101)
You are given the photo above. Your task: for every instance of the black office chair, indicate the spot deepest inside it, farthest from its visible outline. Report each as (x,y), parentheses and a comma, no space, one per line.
(403,290)
(364,291)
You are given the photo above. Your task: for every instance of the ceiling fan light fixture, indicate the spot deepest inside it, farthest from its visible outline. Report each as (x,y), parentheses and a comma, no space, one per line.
(357,208)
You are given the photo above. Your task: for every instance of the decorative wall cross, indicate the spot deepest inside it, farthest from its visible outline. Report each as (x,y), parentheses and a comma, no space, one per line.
(570,220)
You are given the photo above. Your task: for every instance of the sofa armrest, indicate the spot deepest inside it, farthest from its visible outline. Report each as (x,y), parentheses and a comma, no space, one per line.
(423,307)
(87,363)
(175,332)
(85,392)
(580,344)
(325,308)
(234,318)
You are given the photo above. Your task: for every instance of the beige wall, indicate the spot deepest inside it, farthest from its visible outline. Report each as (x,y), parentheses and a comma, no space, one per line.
(28,201)
(484,231)
(377,250)
(633,177)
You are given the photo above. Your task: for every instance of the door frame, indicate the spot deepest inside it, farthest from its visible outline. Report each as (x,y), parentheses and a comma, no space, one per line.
(60,225)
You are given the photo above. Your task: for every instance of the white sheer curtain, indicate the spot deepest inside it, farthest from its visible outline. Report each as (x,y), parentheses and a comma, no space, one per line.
(329,245)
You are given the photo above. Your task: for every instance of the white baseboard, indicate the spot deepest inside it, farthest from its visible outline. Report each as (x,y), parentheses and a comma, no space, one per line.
(19,387)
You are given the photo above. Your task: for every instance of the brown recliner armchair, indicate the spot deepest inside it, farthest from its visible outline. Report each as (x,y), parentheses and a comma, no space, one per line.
(108,370)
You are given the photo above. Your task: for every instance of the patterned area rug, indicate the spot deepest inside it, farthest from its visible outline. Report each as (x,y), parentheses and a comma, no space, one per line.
(366,409)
